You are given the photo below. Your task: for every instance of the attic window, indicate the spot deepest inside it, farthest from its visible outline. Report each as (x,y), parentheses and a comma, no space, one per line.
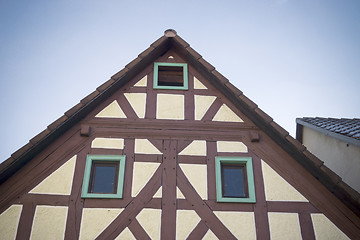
(170,76)
(104,176)
(234,179)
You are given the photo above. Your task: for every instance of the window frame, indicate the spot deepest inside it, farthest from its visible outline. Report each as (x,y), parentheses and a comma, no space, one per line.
(185,76)
(247,161)
(88,175)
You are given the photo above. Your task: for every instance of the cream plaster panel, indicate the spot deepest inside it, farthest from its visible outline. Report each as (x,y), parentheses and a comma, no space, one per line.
(9,222)
(49,222)
(284,226)
(324,229)
(209,236)
(137,102)
(241,224)
(277,188)
(196,148)
(108,143)
(202,105)
(197,175)
(186,221)
(142,82)
(143,171)
(179,194)
(126,235)
(198,84)
(95,220)
(150,220)
(144,146)
(113,110)
(170,106)
(158,194)
(231,146)
(59,182)
(225,114)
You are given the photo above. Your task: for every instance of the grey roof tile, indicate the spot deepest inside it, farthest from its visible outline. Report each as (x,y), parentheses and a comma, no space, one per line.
(344,126)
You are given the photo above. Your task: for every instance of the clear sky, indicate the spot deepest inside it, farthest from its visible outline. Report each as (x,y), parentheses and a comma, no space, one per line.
(294,58)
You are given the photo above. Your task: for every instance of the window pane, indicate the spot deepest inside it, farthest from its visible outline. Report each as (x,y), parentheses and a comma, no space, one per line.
(104,179)
(233,181)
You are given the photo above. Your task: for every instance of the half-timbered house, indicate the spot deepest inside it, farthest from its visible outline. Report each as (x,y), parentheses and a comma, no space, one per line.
(168,148)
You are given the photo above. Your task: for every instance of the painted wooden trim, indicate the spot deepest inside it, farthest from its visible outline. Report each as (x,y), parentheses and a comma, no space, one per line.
(75,203)
(185,75)
(114,158)
(199,231)
(169,168)
(138,231)
(250,179)
(26,217)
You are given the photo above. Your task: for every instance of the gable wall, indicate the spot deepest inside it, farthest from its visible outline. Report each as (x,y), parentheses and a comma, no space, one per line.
(168,181)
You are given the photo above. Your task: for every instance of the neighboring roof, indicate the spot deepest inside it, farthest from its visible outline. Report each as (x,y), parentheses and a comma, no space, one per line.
(344,129)
(171,40)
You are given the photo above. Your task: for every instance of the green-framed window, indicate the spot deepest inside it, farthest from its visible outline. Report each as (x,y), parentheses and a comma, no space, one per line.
(171,76)
(234,179)
(104,176)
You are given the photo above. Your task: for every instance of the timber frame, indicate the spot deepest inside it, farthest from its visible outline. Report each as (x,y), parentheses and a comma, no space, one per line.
(70,132)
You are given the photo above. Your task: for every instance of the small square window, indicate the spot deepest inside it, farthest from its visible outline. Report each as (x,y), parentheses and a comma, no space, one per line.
(234,179)
(170,76)
(104,176)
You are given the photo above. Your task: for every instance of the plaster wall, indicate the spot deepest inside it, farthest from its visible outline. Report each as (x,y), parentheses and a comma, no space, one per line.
(49,222)
(113,110)
(325,229)
(186,221)
(95,220)
(241,224)
(9,221)
(225,114)
(197,175)
(341,157)
(150,220)
(137,102)
(284,225)
(170,106)
(109,143)
(143,171)
(59,182)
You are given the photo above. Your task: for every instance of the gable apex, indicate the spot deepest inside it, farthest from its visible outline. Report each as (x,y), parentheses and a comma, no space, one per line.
(171,40)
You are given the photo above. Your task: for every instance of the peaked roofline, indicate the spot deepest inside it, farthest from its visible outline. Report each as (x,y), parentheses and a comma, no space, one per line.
(170,39)
(344,138)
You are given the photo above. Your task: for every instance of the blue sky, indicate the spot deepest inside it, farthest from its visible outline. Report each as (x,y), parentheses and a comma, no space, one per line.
(293,58)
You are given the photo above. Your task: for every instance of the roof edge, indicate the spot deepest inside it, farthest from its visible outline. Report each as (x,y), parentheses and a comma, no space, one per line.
(249,108)
(314,165)
(329,133)
(20,157)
